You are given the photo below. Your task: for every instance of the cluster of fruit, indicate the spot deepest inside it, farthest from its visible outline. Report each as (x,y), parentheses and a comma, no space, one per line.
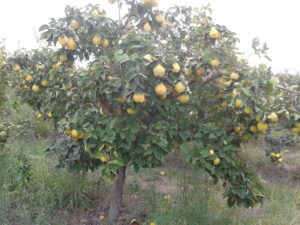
(296,128)
(75,134)
(276,156)
(29,80)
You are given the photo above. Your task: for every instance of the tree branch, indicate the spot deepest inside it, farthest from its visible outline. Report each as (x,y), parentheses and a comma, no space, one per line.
(288,90)
(209,79)
(129,14)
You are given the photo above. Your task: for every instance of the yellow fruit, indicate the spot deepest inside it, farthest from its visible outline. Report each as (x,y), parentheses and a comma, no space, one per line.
(162,173)
(258,118)
(295,130)
(71,44)
(35,88)
(277,155)
(216,161)
(167,197)
(147,27)
(238,103)
(179,87)
(222,81)
(131,111)
(214,62)
(74,133)
(159,18)
(75,24)
(280,160)
(49,115)
(175,144)
(253,129)
(103,159)
(105,43)
(101,218)
(16,68)
(39,115)
(253,205)
(286,151)
(273,154)
(183,98)
(63,40)
(111,1)
(213,33)
(160,89)
(28,77)
(116,154)
(248,110)
(96,40)
(223,104)
(63,58)
(68,131)
(176,68)
(235,92)
(153,223)
(274,81)
(186,72)
(67,86)
(153,3)
(80,135)
(273,117)
(159,71)
(261,126)
(234,76)
(246,137)
(122,99)
(211,152)
(139,98)
(148,57)
(95,13)
(203,21)
(200,71)
(44,83)
(237,129)
(56,65)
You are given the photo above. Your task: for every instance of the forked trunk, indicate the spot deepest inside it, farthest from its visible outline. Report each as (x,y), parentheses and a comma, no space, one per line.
(116,195)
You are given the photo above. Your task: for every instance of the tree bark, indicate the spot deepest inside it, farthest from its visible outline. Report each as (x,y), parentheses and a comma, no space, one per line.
(116,195)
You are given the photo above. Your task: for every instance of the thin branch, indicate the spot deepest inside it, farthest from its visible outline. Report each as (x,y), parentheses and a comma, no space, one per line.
(130,14)
(288,90)
(119,12)
(212,79)
(209,79)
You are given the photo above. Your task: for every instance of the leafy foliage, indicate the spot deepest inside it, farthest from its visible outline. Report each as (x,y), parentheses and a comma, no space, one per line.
(102,90)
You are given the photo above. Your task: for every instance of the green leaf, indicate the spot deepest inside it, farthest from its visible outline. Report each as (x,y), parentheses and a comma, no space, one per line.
(43,28)
(121,58)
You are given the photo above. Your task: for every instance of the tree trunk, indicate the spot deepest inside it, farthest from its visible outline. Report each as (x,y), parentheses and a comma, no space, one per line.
(116,195)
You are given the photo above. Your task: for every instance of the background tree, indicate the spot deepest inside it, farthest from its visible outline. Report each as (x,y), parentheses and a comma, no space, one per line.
(3,83)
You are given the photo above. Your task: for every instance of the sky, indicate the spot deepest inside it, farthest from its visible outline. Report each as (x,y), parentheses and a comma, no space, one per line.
(275,22)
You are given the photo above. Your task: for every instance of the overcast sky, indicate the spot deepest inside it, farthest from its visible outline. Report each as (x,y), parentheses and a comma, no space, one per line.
(274,22)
